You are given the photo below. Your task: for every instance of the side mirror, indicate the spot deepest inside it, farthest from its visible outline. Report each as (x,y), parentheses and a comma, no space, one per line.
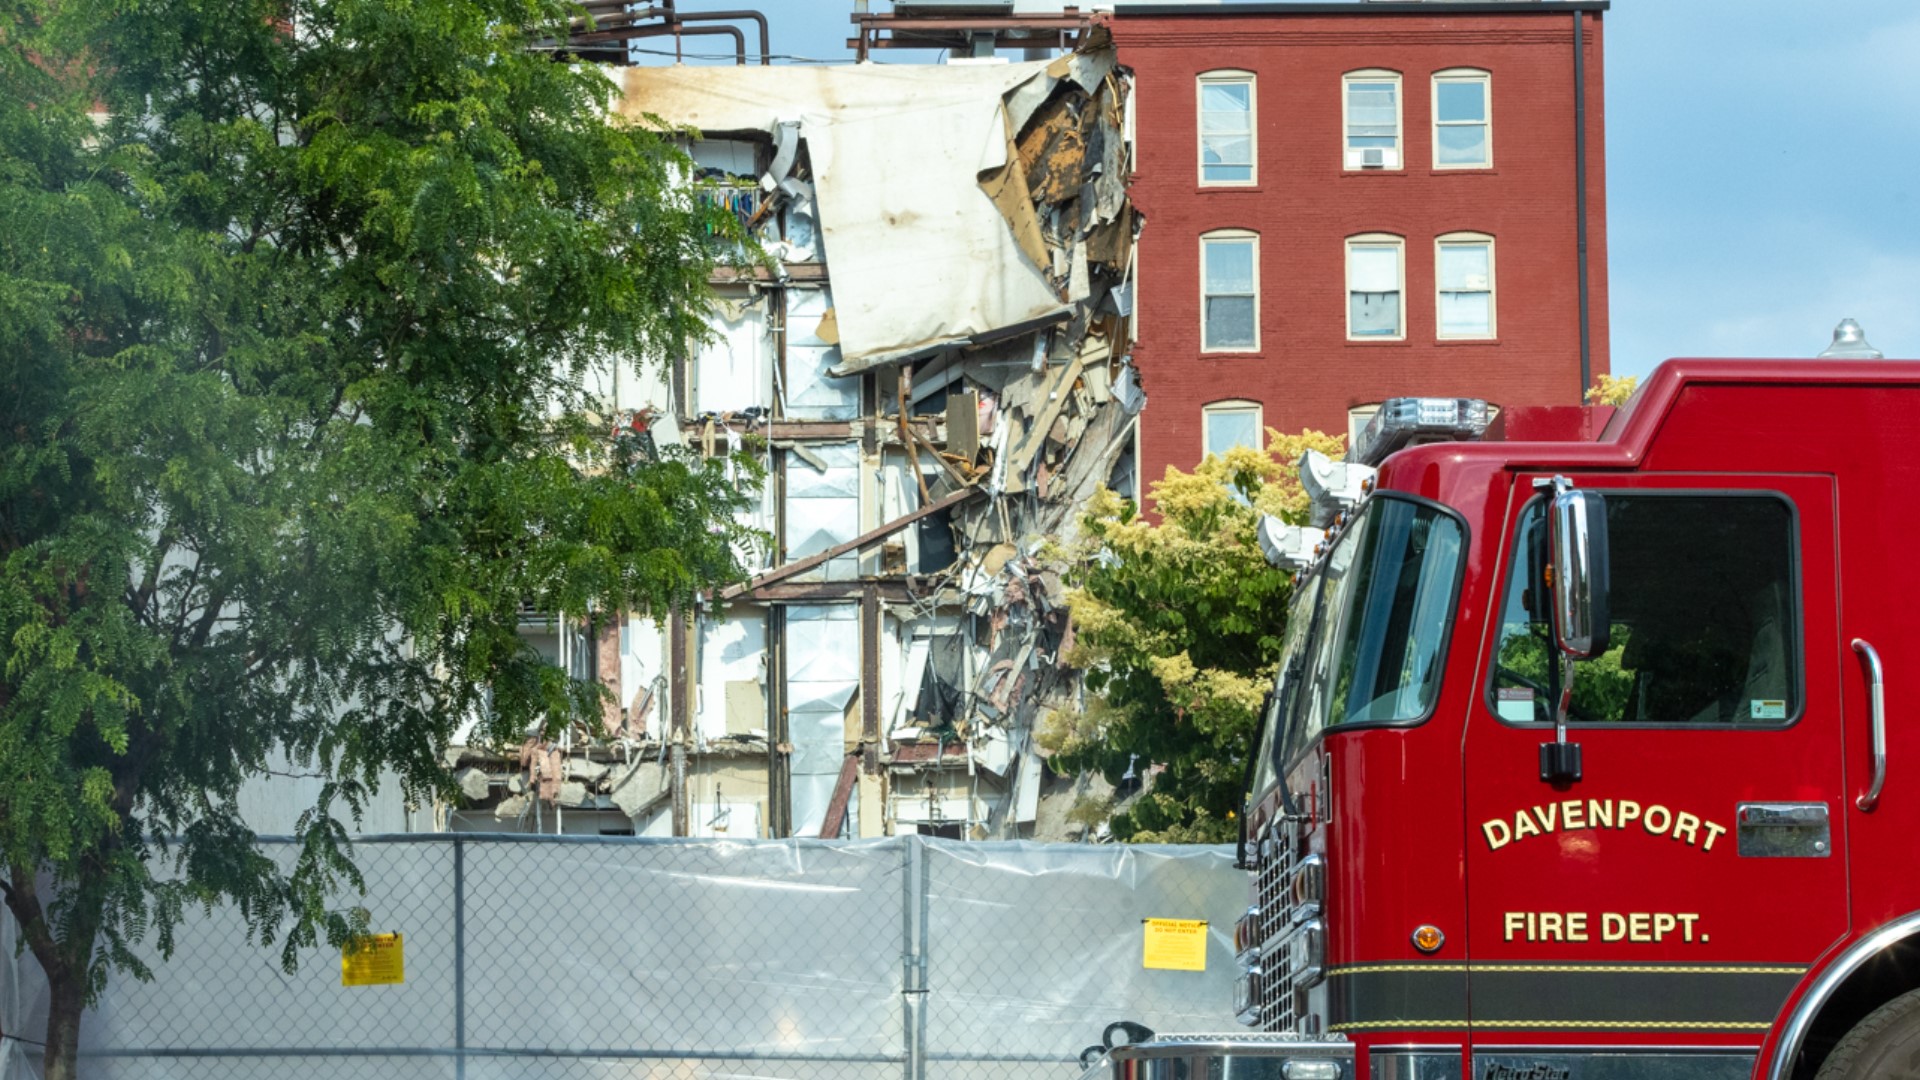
(1577,537)
(1577,591)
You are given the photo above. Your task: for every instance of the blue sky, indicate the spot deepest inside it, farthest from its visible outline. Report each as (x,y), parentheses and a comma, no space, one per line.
(1763,168)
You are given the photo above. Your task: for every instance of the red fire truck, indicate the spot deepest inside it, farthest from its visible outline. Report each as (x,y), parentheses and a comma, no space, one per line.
(1599,760)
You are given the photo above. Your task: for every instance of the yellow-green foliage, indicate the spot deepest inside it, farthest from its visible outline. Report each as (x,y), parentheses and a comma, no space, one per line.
(1179,624)
(1609,390)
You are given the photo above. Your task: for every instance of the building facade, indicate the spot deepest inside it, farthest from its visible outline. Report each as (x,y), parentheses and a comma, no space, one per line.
(917,388)
(1356,201)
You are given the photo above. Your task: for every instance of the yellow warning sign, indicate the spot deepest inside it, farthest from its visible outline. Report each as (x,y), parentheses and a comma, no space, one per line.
(1175,944)
(374,960)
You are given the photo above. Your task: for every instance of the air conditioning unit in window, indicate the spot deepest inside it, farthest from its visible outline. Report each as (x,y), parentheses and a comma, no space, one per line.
(1373,158)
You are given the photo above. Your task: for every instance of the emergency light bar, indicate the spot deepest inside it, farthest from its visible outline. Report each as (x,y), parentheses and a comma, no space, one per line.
(1332,486)
(1289,547)
(1411,421)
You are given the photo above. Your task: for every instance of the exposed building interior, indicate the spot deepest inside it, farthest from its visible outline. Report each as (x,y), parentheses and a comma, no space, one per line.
(921,385)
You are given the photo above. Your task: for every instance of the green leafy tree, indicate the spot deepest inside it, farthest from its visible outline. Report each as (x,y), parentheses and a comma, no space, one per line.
(293,335)
(1179,624)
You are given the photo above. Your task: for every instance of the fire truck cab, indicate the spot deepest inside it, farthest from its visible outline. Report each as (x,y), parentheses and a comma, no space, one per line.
(1598,760)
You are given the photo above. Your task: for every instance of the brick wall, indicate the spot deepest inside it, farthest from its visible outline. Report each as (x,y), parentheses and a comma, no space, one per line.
(1305,204)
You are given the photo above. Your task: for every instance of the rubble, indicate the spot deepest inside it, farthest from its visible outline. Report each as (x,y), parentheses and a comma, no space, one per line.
(473,783)
(935,373)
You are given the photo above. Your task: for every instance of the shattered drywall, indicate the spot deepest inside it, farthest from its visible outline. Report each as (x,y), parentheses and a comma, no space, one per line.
(936,153)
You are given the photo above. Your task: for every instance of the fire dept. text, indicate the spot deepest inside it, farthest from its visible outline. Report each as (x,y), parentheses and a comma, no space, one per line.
(1630,926)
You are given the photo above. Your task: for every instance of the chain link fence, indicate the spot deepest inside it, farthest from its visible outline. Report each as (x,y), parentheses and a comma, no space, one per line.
(584,958)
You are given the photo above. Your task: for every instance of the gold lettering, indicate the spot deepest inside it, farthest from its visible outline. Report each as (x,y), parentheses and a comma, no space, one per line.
(1713,833)
(1576,926)
(1684,822)
(1686,923)
(1550,926)
(1613,926)
(1516,920)
(1665,815)
(1498,835)
(1662,924)
(1575,814)
(1639,926)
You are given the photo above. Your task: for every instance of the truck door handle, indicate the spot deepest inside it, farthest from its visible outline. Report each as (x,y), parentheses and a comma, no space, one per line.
(1877,683)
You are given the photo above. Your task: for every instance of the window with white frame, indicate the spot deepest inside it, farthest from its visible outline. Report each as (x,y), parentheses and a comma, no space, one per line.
(1371,109)
(1226,127)
(1357,419)
(1376,287)
(1229,424)
(1463,284)
(1229,291)
(1462,119)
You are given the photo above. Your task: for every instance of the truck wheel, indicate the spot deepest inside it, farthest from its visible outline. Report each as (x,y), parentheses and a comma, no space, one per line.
(1884,1046)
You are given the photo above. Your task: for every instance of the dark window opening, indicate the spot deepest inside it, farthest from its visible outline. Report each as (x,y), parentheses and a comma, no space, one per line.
(1704,623)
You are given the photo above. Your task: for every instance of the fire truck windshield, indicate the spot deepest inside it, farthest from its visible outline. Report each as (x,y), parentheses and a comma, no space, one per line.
(1366,631)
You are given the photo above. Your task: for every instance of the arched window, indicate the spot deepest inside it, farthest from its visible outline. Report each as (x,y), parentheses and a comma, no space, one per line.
(1227,424)
(1229,291)
(1463,286)
(1370,113)
(1357,420)
(1462,119)
(1376,287)
(1226,111)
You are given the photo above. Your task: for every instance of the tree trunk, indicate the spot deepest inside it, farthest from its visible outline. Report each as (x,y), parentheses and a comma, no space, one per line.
(67,1000)
(64,964)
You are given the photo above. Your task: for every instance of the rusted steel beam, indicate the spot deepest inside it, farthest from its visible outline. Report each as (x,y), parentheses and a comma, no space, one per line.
(870,680)
(802,272)
(680,720)
(892,590)
(836,818)
(801,566)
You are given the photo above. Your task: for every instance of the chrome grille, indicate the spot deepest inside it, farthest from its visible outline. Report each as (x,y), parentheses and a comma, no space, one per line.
(1273,984)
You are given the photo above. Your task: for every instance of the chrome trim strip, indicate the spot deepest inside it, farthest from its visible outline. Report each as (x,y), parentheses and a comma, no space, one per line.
(1425,1063)
(1810,1003)
(1230,1044)
(1607,1063)
(1878,680)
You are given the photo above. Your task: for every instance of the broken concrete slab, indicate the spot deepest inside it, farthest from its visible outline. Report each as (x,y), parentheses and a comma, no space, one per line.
(639,787)
(473,783)
(584,770)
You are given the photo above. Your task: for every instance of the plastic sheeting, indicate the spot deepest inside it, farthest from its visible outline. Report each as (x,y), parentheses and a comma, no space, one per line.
(823,675)
(893,147)
(732,649)
(798,960)
(812,394)
(823,506)
(640,652)
(734,371)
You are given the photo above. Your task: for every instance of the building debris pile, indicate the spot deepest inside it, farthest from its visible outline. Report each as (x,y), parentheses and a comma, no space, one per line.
(934,369)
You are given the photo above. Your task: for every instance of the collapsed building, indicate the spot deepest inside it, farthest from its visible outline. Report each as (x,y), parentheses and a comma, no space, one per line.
(933,367)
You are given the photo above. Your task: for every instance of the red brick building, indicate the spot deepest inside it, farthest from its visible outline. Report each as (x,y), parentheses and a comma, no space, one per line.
(1347,202)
